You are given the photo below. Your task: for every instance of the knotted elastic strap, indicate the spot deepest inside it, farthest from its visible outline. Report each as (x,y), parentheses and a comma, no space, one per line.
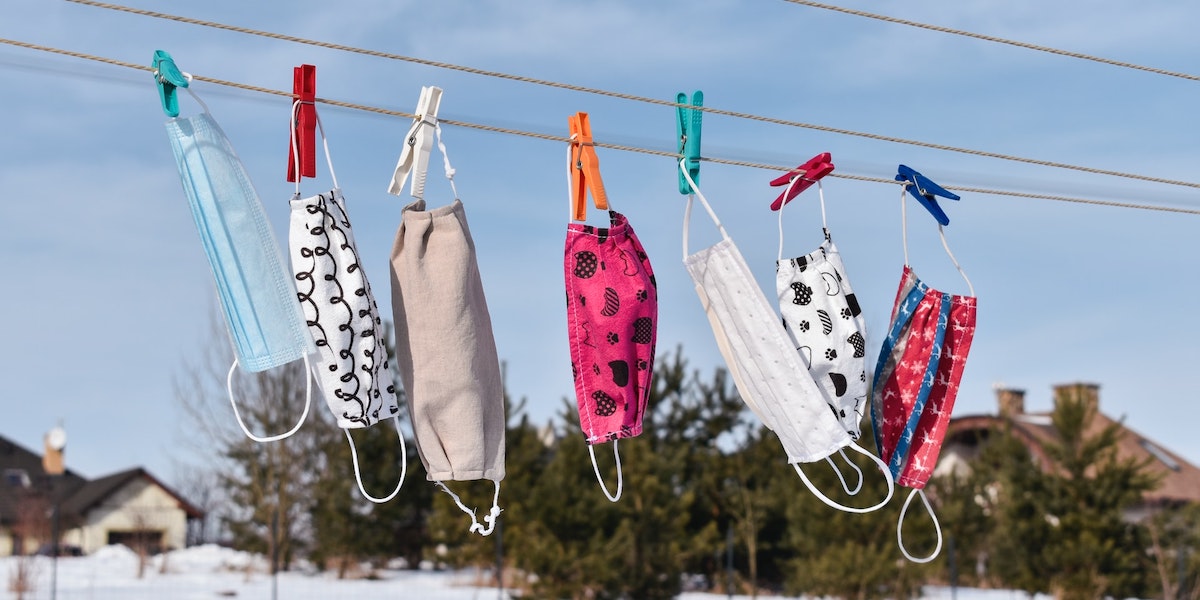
(820,192)
(900,522)
(687,213)
(882,467)
(414,158)
(273,438)
(838,472)
(403,468)
(296,146)
(489,518)
(620,478)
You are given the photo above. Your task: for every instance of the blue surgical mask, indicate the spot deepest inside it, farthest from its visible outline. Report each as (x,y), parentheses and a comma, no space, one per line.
(257,296)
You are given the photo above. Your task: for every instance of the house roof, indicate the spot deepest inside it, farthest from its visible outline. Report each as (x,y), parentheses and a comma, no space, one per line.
(76,494)
(15,458)
(96,491)
(1180,479)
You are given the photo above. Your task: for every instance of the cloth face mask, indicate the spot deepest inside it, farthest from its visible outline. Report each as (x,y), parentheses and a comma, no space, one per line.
(765,366)
(824,320)
(612,310)
(446,351)
(351,365)
(257,297)
(612,318)
(916,381)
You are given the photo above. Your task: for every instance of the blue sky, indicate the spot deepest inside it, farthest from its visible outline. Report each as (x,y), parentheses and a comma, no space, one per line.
(108,295)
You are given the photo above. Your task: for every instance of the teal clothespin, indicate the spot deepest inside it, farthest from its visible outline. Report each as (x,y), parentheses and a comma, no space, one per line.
(168,76)
(687,125)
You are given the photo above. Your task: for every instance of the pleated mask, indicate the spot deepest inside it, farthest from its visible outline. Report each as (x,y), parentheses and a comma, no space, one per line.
(916,379)
(825,322)
(255,292)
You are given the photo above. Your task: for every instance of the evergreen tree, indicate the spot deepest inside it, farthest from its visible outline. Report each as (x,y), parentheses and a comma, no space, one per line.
(1061,528)
(852,556)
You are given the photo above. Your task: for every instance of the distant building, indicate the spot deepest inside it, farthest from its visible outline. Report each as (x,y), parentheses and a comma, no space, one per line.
(131,507)
(966,435)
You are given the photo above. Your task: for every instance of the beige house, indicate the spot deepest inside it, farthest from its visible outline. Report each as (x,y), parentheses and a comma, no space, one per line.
(131,507)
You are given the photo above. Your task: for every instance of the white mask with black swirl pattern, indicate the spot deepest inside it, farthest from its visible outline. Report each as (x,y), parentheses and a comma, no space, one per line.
(351,363)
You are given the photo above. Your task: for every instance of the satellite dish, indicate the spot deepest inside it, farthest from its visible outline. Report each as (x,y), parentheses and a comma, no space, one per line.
(57,438)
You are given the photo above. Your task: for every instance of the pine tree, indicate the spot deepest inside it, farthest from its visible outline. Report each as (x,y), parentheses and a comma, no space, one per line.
(1061,527)
(846,555)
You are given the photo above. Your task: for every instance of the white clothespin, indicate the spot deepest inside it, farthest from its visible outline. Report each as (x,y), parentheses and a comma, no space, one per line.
(414,158)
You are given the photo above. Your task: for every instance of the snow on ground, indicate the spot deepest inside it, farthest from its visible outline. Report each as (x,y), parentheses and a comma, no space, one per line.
(212,572)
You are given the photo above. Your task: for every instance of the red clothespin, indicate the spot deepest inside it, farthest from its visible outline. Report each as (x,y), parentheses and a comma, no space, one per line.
(585,168)
(304,128)
(809,172)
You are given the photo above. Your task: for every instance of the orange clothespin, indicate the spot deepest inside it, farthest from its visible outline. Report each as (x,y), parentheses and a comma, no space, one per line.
(304,128)
(585,168)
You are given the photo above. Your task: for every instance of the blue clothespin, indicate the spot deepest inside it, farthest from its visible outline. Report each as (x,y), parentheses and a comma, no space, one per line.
(168,77)
(687,126)
(925,191)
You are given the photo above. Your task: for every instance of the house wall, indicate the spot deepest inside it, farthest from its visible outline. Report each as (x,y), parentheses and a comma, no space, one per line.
(139,506)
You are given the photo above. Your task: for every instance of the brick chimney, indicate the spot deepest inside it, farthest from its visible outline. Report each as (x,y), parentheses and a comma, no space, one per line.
(1088,392)
(1011,401)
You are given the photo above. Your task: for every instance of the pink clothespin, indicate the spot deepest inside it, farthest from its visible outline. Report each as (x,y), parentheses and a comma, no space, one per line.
(304,89)
(809,173)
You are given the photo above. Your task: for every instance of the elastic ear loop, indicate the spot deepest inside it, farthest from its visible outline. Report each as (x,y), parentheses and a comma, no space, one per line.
(882,467)
(437,129)
(824,223)
(941,233)
(687,212)
(403,468)
(489,518)
(838,471)
(620,479)
(570,182)
(296,145)
(937,526)
(273,438)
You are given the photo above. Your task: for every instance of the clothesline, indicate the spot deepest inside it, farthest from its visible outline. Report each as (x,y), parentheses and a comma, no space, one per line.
(991,38)
(630,97)
(565,139)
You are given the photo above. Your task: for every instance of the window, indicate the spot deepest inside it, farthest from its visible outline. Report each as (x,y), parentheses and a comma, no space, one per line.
(1162,456)
(16,478)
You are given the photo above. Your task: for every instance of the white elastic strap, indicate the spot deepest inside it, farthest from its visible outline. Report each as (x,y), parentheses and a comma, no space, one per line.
(838,471)
(791,184)
(687,213)
(904,222)
(570,183)
(882,467)
(942,233)
(490,518)
(189,90)
(273,438)
(403,468)
(414,158)
(296,146)
(937,526)
(620,477)
(437,128)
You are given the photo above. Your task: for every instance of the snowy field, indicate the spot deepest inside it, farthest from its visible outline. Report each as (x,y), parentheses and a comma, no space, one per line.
(211,572)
